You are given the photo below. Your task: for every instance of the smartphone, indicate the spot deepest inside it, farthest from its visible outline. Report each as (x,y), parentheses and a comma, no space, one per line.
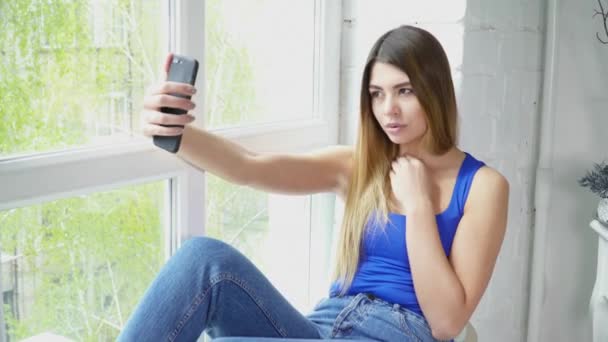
(182,69)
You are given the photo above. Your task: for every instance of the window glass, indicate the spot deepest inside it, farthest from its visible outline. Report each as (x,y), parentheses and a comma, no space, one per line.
(72,72)
(259,61)
(77,267)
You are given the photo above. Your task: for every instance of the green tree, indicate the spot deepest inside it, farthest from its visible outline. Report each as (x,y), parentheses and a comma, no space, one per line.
(82,263)
(235,214)
(87,258)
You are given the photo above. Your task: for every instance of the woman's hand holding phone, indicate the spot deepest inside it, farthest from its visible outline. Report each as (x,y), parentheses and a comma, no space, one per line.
(161,104)
(159,95)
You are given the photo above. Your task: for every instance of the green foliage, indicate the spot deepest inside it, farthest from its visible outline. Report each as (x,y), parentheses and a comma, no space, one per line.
(237,215)
(59,74)
(596,180)
(84,262)
(230,92)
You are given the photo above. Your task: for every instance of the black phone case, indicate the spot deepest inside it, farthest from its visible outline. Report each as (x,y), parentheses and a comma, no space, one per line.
(182,69)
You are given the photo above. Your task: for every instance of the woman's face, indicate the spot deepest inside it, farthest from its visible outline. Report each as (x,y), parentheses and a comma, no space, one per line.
(396,106)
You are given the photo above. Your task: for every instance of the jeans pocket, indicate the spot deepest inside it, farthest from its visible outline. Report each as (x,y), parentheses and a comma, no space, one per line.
(405,328)
(417,326)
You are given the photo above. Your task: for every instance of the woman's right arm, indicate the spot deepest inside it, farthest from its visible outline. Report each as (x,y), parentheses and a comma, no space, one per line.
(324,170)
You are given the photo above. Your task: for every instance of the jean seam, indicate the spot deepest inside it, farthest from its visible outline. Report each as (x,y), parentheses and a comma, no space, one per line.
(416,320)
(363,312)
(345,313)
(215,280)
(406,328)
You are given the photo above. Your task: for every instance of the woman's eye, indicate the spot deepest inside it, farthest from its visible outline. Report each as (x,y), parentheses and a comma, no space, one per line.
(405,91)
(374,94)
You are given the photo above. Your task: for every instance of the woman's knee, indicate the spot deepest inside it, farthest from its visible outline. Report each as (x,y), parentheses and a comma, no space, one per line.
(206,251)
(203,243)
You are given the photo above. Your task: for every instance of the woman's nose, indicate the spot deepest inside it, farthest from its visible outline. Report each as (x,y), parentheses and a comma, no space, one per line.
(390,106)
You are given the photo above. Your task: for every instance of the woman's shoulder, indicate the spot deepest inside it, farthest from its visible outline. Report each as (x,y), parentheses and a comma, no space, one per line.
(489,176)
(489,184)
(486,174)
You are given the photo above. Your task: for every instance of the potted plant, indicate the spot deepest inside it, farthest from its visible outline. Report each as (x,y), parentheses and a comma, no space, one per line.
(597,181)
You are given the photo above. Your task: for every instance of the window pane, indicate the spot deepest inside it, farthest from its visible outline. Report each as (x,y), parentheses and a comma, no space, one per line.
(259,61)
(77,267)
(72,72)
(237,215)
(273,231)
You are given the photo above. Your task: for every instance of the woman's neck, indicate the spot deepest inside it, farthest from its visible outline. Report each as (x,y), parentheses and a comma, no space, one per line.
(432,161)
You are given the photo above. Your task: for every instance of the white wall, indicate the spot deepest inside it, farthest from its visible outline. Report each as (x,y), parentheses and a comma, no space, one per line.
(575,125)
(495,48)
(500,100)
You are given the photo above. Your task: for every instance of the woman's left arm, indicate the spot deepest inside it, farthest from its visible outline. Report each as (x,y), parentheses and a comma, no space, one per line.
(449,289)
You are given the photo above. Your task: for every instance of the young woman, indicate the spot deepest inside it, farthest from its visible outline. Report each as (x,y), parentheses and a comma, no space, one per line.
(422,228)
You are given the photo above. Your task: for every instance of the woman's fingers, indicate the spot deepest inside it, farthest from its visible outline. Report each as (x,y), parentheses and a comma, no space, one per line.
(151,130)
(167,64)
(155,102)
(154,123)
(167,94)
(170,87)
(158,118)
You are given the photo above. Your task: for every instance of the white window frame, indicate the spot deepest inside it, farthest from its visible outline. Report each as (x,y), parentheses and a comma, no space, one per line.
(29,180)
(33,179)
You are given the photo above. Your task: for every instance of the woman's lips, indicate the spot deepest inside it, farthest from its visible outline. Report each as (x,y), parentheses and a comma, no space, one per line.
(394,128)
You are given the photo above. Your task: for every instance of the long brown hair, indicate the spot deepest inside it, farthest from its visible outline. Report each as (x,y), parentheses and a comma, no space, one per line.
(419,54)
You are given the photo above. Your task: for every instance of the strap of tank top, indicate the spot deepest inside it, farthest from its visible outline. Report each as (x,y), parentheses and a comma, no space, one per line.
(465,179)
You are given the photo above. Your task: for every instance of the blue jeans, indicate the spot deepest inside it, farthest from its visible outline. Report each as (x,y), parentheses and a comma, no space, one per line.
(210,286)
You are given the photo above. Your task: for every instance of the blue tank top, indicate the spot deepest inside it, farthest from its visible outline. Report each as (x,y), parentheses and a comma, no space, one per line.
(384,268)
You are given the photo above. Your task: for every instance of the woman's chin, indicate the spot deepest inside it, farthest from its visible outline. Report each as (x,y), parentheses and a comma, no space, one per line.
(404,140)
(397,140)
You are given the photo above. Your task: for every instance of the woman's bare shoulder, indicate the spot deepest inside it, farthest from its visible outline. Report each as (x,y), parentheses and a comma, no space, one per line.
(488,185)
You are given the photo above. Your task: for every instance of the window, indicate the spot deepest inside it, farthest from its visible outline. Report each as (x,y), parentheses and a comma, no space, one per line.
(76,266)
(66,63)
(73,145)
(259,61)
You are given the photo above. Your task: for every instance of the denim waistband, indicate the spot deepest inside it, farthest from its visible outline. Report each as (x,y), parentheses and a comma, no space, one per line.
(395,306)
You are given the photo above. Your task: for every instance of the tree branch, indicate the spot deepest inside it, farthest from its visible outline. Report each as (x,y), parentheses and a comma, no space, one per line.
(115,292)
(604,15)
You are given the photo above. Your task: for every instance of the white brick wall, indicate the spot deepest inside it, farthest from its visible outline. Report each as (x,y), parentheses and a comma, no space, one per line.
(495,48)
(574,137)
